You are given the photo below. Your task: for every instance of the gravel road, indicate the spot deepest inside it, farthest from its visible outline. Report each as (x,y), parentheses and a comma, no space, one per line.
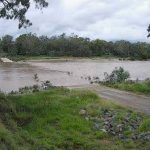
(140,103)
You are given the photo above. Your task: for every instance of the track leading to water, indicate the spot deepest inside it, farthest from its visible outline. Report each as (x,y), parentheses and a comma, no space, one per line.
(140,103)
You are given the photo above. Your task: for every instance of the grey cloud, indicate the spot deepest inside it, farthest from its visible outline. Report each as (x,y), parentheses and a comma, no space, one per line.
(105,19)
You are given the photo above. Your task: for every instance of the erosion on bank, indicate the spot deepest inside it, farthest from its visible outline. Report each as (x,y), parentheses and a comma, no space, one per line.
(69,119)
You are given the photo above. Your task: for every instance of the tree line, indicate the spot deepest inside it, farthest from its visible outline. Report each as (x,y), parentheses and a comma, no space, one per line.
(72,45)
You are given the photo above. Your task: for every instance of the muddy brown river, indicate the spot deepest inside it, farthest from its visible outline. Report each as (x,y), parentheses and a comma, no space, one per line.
(65,72)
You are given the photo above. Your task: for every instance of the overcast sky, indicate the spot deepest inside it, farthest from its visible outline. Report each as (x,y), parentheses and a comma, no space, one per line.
(104,19)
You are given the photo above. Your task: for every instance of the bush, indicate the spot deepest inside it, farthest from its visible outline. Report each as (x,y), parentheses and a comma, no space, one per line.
(145,126)
(117,76)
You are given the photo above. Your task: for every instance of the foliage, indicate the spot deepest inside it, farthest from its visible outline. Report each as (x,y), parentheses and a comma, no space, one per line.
(73,45)
(28,44)
(145,126)
(17,9)
(148,31)
(45,85)
(118,75)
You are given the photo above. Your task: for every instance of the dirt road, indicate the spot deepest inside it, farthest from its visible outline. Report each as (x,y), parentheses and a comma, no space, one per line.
(139,103)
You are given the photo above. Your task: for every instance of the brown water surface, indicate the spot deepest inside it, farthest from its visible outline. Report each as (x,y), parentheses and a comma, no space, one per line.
(65,72)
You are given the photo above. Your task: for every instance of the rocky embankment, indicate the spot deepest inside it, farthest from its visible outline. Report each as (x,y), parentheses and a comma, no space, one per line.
(127,126)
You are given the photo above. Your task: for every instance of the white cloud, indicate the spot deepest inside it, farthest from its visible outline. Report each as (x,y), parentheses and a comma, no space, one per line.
(105,19)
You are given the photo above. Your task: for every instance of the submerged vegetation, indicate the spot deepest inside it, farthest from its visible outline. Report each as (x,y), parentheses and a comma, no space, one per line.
(43,85)
(118,75)
(69,119)
(120,79)
(73,45)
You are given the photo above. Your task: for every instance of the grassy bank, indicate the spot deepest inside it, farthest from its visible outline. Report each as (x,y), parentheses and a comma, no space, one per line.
(62,119)
(141,88)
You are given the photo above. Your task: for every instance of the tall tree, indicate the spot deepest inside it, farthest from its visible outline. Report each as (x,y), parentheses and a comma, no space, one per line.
(17,9)
(148,31)
(28,44)
(6,43)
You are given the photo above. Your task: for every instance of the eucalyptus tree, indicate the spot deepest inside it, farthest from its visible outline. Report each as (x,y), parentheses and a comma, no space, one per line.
(98,47)
(6,43)
(148,31)
(28,44)
(122,48)
(17,9)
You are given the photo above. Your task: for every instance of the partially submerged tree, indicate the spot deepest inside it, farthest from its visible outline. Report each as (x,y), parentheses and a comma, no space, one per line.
(118,75)
(17,9)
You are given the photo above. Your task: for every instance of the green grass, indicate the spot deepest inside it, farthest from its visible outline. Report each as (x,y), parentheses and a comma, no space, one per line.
(145,126)
(141,88)
(51,120)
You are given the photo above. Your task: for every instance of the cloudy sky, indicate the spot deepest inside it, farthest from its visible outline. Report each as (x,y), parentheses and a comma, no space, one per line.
(104,19)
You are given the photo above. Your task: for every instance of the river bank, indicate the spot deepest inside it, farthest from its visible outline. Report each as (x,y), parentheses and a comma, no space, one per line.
(49,58)
(69,119)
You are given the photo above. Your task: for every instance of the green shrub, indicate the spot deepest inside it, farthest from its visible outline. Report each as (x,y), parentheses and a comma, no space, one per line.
(145,126)
(101,135)
(129,145)
(118,75)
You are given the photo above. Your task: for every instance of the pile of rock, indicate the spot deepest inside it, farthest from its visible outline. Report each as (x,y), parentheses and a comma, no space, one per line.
(124,127)
(145,136)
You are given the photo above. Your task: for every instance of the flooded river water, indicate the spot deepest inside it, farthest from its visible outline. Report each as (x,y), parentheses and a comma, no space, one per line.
(65,72)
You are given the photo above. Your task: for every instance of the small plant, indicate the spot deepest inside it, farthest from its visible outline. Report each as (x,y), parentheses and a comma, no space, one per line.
(36,88)
(145,126)
(23,90)
(147,82)
(101,135)
(46,85)
(36,78)
(118,75)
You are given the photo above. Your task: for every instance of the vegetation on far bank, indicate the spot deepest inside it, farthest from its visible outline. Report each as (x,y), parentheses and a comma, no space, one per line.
(72,46)
(69,119)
